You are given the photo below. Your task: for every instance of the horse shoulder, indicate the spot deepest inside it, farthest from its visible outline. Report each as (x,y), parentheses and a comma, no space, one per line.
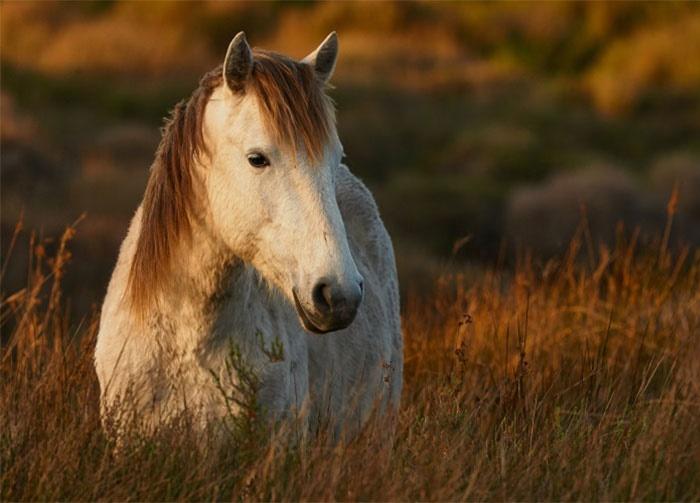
(122,349)
(114,322)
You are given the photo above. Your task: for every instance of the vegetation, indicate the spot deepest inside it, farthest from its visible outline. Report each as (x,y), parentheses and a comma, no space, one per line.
(574,380)
(487,132)
(459,108)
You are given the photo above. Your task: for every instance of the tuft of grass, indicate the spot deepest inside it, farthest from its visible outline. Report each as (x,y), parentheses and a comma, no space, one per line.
(571,380)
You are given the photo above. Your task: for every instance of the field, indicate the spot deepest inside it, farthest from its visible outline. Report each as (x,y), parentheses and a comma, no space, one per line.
(537,165)
(572,380)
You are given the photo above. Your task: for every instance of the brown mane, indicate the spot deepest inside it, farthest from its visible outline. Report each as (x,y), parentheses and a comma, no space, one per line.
(292,102)
(296,112)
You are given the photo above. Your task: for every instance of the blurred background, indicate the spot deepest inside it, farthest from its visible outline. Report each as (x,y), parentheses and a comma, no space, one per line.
(483,129)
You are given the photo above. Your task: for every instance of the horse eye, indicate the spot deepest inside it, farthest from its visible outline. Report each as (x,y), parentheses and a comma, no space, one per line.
(258,160)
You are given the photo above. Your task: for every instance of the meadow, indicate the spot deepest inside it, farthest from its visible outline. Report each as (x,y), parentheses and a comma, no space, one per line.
(537,165)
(574,379)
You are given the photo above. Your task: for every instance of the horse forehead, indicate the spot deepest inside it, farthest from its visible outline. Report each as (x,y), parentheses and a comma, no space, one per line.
(240,119)
(249,124)
(238,116)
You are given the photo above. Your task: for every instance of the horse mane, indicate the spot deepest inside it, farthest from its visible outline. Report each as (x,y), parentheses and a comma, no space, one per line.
(296,111)
(293,103)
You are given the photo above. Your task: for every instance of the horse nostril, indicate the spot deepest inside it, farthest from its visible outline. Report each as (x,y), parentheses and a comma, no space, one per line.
(323,301)
(334,305)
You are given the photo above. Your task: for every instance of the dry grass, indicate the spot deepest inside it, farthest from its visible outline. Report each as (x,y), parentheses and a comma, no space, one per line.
(575,380)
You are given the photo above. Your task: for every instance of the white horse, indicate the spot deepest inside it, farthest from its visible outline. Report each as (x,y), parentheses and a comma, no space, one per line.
(252,234)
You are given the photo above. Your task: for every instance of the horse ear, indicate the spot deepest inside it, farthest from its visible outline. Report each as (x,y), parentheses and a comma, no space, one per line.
(324,57)
(238,63)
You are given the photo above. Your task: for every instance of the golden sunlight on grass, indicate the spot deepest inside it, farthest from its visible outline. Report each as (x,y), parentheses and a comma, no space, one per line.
(578,379)
(486,131)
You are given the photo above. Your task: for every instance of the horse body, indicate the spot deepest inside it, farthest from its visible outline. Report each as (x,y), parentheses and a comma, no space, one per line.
(265,258)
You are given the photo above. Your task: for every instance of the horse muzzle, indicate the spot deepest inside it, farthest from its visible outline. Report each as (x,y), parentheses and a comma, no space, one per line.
(334,308)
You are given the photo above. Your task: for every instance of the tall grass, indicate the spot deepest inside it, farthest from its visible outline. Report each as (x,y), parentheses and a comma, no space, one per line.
(575,379)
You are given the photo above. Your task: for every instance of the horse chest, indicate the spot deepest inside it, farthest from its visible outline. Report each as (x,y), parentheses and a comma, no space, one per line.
(264,329)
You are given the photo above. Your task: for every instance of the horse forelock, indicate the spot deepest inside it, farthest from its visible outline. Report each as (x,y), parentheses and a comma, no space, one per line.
(293,104)
(296,111)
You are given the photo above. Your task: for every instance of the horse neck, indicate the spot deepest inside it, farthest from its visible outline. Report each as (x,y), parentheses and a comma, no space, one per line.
(201,275)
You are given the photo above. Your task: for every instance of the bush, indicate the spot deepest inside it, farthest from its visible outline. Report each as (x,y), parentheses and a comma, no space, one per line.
(665,57)
(543,218)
